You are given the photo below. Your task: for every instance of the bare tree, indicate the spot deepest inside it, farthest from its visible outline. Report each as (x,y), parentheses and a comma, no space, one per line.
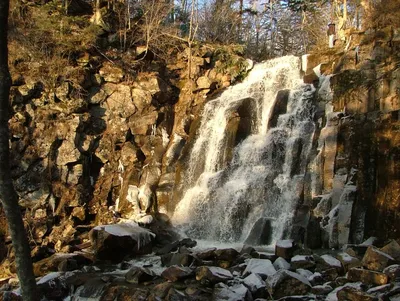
(8,195)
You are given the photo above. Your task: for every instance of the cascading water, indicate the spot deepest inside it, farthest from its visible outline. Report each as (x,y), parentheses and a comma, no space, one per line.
(228,191)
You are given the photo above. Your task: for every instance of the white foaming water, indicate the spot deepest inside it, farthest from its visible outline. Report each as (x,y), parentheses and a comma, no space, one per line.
(225,199)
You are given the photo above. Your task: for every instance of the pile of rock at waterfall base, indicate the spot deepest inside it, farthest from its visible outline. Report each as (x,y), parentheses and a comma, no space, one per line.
(357,272)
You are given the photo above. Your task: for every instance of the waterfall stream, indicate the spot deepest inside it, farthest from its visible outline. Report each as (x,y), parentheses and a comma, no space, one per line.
(249,156)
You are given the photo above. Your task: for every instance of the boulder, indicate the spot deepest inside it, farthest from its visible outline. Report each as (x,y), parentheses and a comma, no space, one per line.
(248,250)
(367,276)
(212,274)
(376,260)
(302,262)
(315,279)
(53,286)
(325,262)
(181,259)
(281,264)
(60,262)
(161,290)
(393,272)
(285,283)
(207,254)
(348,261)
(174,294)
(305,273)
(354,294)
(322,289)
(392,249)
(332,296)
(237,292)
(260,267)
(175,273)
(138,275)
(226,255)
(379,290)
(256,286)
(115,242)
(285,248)
(173,247)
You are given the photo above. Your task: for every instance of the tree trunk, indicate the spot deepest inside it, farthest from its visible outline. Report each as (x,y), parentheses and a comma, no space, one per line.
(8,195)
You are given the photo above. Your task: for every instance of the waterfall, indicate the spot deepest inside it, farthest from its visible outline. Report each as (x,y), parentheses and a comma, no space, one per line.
(249,156)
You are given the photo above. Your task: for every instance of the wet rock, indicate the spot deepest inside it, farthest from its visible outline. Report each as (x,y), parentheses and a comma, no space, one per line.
(260,233)
(302,262)
(285,248)
(53,287)
(175,273)
(280,107)
(92,287)
(256,286)
(313,238)
(237,292)
(285,283)
(324,206)
(393,272)
(367,276)
(226,255)
(260,267)
(281,264)
(376,260)
(310,78)
(208,254)
(181,259)
(137,275)
(212,274)
(353,294)
(9,296)
(114,242)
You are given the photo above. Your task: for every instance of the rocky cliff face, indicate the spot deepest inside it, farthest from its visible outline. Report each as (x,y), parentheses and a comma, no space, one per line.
(356,167)
(103,143)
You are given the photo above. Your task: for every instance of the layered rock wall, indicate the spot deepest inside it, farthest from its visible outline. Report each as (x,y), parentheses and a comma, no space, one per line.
(103,142)
(355,173)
